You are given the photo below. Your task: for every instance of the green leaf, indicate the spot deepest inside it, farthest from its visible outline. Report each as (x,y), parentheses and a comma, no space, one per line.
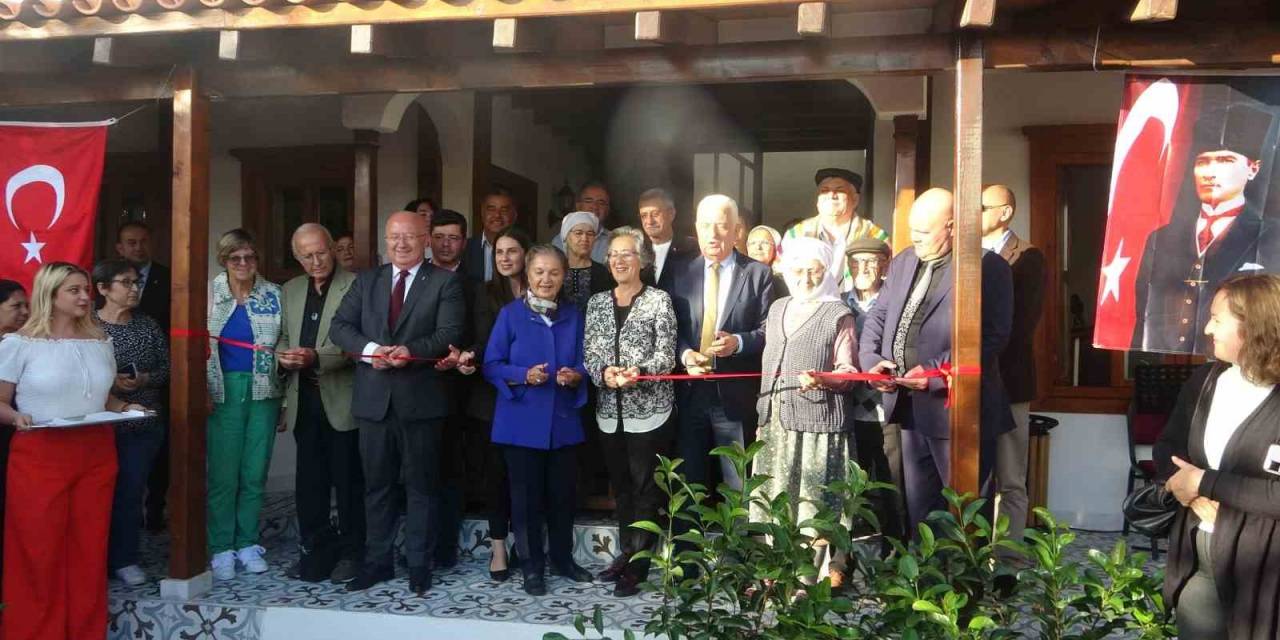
(908,568)
(597,620)
(580,624)
(924,606)
(651,527)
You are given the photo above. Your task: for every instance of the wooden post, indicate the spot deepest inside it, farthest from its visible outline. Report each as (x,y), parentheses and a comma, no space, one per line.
(966,296)
(365,233)
(187,391)
(906,133)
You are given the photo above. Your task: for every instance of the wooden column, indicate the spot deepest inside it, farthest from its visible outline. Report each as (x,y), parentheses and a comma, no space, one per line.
(966,330)
(187,394)
(365,196)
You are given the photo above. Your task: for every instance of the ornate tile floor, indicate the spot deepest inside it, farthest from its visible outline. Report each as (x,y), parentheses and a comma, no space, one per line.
(236,609)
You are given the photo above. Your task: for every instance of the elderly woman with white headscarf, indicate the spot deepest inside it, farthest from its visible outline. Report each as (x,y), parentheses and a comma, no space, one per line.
(585,278)
(805,421)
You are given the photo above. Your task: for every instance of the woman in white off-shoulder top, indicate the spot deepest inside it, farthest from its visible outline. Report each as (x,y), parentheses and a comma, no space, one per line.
(61,480)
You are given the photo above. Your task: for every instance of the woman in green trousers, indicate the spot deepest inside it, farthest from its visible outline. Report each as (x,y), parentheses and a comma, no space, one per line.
(244,309)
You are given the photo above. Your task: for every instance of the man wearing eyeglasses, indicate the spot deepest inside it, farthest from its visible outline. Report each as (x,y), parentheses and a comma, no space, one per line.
(318,411)
(1017,366)
(400,317)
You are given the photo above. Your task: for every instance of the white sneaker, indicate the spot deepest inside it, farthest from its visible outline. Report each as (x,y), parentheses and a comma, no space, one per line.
(251,558)
(223,565)
(132,575)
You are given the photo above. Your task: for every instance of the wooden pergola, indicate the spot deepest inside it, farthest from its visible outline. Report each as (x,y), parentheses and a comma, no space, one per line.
(77,51)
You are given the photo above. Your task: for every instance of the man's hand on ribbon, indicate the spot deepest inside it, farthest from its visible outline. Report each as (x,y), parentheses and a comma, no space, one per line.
(725,344)
(296,358)
(696,364)
(399,357)
(884,386)
(450,361)
(467,363)
(382,358)
(914,380)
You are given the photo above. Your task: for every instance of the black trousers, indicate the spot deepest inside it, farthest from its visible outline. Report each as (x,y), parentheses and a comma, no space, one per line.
(328,462)
(450,497)
(543,493)
(391,449)
(158,482)
(497,492)
(879,447)
(632,458)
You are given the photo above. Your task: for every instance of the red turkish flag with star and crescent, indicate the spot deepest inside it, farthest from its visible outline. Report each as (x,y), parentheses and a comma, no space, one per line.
(1153,142)
(50,175)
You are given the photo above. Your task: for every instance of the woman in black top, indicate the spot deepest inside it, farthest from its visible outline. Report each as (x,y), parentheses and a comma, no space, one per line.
(142,358)
(1219,456)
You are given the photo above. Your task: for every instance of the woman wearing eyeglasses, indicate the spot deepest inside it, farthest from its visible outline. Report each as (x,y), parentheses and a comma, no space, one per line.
(244,309)
(631,331)
(142,365)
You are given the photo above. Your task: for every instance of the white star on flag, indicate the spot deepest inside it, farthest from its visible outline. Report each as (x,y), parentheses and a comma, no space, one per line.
(33,249)
(1111,275)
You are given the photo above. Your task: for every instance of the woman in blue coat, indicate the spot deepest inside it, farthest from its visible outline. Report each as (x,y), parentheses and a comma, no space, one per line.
(534,359)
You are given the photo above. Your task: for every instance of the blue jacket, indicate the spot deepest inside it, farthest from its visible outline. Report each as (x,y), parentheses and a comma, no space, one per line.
(545,416)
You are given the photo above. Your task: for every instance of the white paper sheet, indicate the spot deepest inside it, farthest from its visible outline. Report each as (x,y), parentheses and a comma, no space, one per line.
(100,417)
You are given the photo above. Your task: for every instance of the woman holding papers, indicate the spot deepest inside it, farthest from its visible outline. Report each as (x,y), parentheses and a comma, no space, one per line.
(59,364)
(142,373)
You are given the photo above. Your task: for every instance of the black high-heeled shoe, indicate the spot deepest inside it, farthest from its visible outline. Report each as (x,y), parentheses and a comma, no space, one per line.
(502,575)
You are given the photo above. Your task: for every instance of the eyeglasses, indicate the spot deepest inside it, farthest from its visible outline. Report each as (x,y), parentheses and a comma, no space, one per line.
(994,206)
(129,284)
(249,259)
(403,237)
(622,255)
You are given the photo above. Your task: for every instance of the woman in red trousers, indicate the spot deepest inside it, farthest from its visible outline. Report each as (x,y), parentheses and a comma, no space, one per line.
(60,480)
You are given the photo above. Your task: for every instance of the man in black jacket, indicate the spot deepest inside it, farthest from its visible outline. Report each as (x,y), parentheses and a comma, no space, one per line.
(657,213)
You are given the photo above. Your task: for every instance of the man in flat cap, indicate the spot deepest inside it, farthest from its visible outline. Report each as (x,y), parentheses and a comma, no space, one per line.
(1206,239)
(837,222)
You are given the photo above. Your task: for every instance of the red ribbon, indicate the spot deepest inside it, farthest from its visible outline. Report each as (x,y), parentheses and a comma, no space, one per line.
(187,333)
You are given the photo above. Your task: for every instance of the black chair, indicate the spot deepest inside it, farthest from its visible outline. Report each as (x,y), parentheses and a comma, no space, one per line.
(1155,391)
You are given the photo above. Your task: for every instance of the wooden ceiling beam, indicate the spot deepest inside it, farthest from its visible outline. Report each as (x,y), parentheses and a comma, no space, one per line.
(387,40)
(1154,11)
(978,13)
(675,28)
(139,52)
(519,35)
(813,19)
(43,57)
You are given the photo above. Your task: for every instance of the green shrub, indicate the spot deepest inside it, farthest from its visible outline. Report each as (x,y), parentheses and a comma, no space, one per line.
(755,580)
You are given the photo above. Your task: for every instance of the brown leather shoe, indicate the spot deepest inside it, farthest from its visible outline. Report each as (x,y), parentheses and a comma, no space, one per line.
(615,570)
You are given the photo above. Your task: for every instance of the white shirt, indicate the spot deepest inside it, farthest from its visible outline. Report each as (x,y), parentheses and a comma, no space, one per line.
(997,245)
(408,284)
(488,257)
(144,274)
(57,378)
(1234,399)
(660,252)
(1219,222)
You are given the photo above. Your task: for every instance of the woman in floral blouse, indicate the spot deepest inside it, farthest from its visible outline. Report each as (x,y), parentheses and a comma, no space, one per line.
(631,331)
(244,309)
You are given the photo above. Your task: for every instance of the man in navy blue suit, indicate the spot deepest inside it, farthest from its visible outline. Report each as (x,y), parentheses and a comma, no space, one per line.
(909,330)
(721,300)
(497,212)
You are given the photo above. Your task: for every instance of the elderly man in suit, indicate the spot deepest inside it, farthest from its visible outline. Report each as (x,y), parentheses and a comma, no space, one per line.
(1017,366)
(398,317)
(657,212)
(721,300)
(909,331)
(318,405)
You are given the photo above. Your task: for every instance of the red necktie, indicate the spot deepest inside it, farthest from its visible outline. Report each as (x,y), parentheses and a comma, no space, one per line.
(397,300)
(1205,236)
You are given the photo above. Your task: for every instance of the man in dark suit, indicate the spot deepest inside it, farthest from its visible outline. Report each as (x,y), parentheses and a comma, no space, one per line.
(657,217)
(393,315)
(1206,240)
(1017,363)
(909,330)
(497,212)
(133,243)
(721,300)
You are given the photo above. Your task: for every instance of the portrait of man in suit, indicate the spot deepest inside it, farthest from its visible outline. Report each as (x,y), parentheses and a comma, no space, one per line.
(1211,235)
(398,316)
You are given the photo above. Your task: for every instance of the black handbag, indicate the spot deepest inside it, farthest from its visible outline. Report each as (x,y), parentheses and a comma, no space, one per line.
(1150,510)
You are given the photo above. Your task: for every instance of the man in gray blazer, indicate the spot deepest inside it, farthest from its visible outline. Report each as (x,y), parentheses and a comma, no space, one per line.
(318,405)
(398,316)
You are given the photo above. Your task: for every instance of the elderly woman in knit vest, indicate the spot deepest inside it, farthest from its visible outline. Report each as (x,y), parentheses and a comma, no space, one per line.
(804,419)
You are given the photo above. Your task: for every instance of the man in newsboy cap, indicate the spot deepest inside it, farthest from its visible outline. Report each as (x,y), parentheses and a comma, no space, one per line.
(837,222)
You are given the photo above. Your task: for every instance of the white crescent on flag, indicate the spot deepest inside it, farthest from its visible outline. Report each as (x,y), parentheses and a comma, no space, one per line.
(1158,101)
(36,174)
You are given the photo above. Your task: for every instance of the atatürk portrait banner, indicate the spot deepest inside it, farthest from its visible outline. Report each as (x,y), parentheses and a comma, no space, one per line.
(1192,203)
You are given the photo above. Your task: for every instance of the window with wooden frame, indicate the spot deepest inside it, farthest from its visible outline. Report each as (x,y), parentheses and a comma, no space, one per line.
(283,187)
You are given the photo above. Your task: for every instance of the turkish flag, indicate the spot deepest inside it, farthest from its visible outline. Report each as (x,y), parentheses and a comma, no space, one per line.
(51,174)
(1153,141)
